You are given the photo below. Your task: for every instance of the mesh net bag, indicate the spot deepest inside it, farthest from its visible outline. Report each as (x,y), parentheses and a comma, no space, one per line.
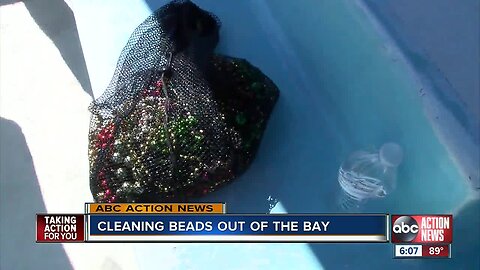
(176,121)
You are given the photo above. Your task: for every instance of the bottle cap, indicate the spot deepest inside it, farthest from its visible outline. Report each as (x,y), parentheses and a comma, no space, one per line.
(391,154)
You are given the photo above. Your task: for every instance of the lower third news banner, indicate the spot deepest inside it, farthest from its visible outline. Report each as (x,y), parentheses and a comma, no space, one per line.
(236,228)
(205,222)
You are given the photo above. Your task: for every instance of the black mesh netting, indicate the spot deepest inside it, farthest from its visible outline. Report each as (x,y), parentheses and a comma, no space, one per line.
(176,121)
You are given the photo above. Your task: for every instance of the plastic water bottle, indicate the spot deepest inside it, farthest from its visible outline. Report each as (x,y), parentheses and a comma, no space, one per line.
(367,175)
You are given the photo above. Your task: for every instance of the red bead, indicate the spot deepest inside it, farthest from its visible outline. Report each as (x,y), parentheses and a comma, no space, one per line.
(104,183)
(108,192)
(159,84)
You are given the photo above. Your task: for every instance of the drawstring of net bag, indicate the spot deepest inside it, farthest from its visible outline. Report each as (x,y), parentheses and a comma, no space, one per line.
(167,74)
(167,71)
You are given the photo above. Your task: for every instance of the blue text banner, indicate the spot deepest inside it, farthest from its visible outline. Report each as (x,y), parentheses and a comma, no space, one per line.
(237,228)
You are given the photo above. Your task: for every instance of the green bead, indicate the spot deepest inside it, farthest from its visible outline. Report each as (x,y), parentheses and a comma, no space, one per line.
(241,119)
(256,86)
(128,160)
(121,173)
(116,157)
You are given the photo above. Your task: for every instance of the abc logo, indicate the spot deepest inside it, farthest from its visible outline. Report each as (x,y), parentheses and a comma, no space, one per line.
(405,228)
